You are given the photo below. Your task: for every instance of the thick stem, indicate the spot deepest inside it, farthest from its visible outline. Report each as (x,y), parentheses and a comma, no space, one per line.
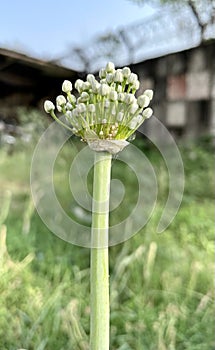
(100,309)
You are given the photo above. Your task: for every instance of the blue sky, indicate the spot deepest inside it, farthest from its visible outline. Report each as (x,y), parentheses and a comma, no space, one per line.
(47,28)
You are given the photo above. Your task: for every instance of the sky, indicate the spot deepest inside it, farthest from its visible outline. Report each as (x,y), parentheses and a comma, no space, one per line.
(47,28)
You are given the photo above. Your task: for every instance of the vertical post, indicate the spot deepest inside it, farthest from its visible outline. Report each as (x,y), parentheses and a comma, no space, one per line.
(100,309)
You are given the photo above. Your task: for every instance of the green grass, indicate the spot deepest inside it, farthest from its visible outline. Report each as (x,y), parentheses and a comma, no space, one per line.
(161,284)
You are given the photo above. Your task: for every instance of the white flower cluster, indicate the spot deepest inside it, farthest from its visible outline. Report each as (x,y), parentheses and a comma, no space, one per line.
(105,109)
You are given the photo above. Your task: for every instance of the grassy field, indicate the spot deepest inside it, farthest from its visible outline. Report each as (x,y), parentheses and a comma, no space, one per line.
(161,285)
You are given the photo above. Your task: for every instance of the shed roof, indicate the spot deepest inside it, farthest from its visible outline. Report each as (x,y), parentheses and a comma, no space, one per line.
(17,69)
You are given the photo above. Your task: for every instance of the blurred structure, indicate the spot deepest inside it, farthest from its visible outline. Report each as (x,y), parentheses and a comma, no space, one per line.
(174,27)
(26,81)
(184,85)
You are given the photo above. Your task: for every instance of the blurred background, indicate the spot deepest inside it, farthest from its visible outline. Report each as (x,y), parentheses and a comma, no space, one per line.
(161,285)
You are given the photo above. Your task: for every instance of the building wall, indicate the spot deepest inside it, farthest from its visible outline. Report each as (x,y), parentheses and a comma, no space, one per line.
(184,85)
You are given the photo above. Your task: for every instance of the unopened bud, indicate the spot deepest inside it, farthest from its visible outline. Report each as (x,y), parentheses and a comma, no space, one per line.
(136,85)
(119,88)
(149,93)
(139,118)
(69,106)
(79,84)
(147,113)
(91,108)
(84,97)
(110,67)
(95,87)
(132,78)
(90,78)
(102,73)
(126,72)
(129,98)
(104,90)
(75,113)
(86,86)
(113,95)
(69,114)
(107,104)
(67,86)
(81,108)
(48,106)
(143,101)
(133,108)
(118,77)
(133,123)
(121,97)
(109,78)
(60,100)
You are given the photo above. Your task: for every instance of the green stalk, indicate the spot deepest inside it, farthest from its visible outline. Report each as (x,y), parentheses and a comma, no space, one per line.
(100,309)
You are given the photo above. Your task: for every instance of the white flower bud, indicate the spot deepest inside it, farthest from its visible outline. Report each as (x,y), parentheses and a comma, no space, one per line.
(113,95)
(149,93)
(139,118)
(136,85)
(67,86)
(79,85)
(95,87)
(121,97)
(60,100)
(119,88)
(102,73)
(81,108)
(84,97)
(104,90)
(90,78)
(91,108)
(118,77)
(143,101)
(86,86)
(69,106)
(49,106)
(69,114)
(133,108)
(147,113)
(129,99)
(75,113)
(110,67)
(132,78)
(107,104)
(126,72)
(109,78)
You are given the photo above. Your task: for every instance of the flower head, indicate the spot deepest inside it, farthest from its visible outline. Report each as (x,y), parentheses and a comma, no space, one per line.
(106,109)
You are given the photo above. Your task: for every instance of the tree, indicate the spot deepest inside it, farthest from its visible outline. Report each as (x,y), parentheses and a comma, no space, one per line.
(202,10)
(189,22)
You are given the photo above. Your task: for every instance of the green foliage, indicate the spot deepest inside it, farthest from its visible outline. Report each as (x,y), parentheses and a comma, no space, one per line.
(161,285)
